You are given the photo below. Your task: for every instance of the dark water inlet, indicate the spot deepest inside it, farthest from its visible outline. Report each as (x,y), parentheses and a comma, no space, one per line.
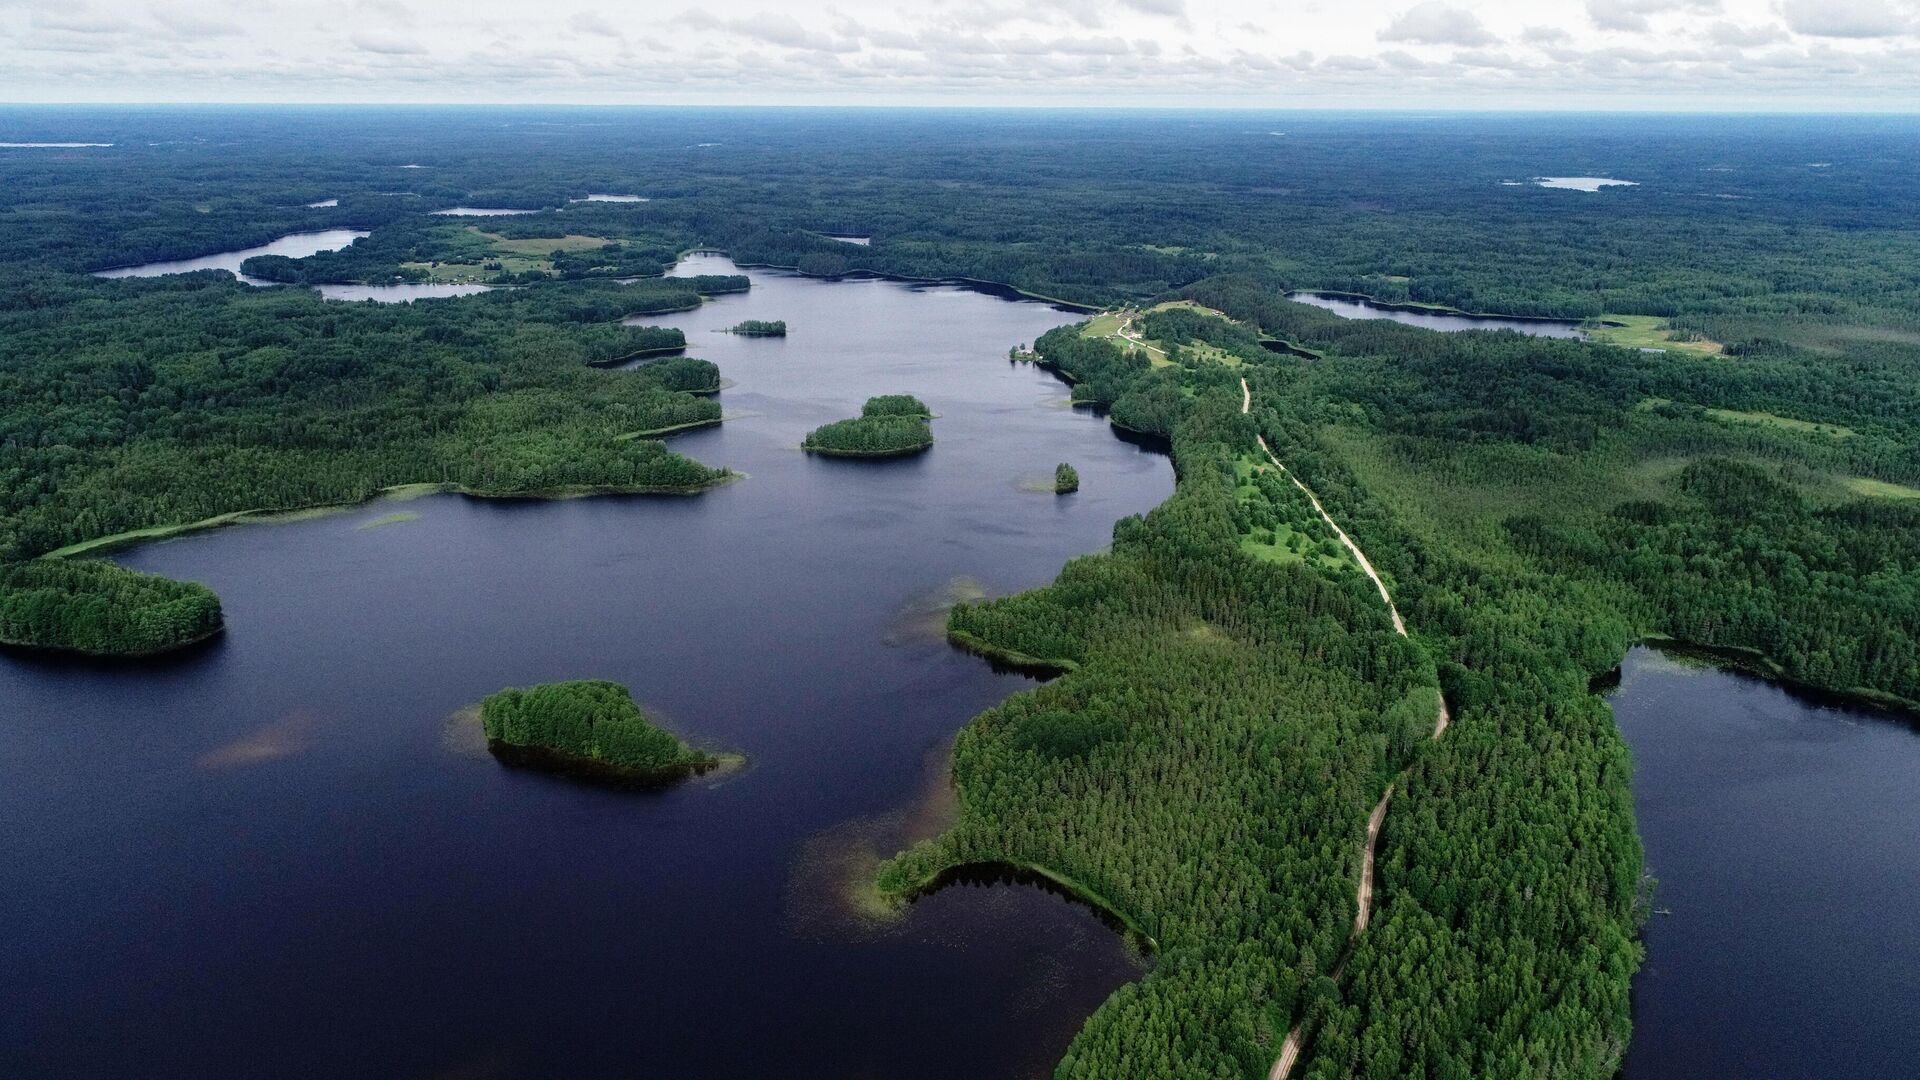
(1349,306)
(1782,831)
(278,856)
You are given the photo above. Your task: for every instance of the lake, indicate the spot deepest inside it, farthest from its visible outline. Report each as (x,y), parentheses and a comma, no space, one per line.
(1354,307)
(481,211)
(404,292)
(280,855)
(1783,833)
(1581,183)
(296,246)
(597,197)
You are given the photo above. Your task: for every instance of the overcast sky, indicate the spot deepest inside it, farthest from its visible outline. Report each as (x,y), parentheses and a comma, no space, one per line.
(1711,54)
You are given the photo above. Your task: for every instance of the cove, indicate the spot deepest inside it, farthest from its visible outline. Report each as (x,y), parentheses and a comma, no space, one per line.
(1351,306)
(277,855)
(1781,829)
(295,246)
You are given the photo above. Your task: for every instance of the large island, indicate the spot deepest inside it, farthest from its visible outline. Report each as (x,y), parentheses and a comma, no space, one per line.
(890,425)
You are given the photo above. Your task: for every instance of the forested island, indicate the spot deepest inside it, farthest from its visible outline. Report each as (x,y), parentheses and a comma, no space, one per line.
(590,728)
(760,328)
(98,608)
(1065,479)
(888,426)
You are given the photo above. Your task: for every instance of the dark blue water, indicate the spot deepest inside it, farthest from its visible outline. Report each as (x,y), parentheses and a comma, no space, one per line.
(279,856)
(1785,834)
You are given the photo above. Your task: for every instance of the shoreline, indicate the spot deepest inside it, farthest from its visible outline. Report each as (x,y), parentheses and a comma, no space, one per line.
(981,284)
(397,492)
(1439,309)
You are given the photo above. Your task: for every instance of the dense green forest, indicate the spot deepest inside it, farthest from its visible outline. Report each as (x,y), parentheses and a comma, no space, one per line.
(1234,699)
(83,605)
(587,722)
(888,426)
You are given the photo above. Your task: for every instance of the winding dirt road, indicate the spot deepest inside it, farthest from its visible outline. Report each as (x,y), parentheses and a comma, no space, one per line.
(1290,1049)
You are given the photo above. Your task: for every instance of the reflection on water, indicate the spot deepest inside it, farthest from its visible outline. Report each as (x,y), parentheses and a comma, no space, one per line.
(1781,833)
(378,873)
(400,292)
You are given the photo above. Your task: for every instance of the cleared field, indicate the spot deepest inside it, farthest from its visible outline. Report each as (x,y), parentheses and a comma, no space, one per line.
(1646,332)
(1880,489)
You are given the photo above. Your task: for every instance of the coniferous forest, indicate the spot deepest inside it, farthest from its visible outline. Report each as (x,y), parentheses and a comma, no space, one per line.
(1229,696)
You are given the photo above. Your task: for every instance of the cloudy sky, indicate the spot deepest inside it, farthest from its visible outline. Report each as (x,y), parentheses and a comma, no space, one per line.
(1709,54)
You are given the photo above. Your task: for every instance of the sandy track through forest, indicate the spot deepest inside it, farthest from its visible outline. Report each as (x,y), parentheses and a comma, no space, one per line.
(1290,1049)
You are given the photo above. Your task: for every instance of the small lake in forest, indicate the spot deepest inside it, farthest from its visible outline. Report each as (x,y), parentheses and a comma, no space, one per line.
(400,292)
(1785,836)
(280,854)
(295,246)
(1581,183)
(611,198)
(482,211)
(1355,307)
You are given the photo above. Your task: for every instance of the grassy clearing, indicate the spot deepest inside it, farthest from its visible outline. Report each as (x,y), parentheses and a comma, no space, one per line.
(1879,489)
(1109,325)
(1646,332)
(1285,541)
(538,246)
(1765,419)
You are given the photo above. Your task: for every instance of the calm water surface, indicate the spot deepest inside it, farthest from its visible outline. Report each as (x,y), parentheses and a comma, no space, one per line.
(279,856)
(296,246)
(400,292)
(1785,835)
(481,211)
(1349,307)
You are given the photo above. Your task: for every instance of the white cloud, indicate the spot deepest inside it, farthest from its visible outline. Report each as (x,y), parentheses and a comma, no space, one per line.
(1632,15)
(375,41)
(1847,18)
(1436,23)
(1334,53)
(594,23)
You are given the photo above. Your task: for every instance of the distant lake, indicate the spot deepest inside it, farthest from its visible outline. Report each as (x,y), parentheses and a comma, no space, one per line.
(863,241)
(611,198)
(295,246)
(277,855)
(400,292)
(1785,836)
(323,202)
(1582,183)
(481,211)
(1352,307)
(50,145)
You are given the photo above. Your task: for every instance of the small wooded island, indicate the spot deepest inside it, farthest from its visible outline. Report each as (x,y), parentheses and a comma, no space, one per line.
(761,328)
(102,609)
(1065,480)
(590,728)
(888,426)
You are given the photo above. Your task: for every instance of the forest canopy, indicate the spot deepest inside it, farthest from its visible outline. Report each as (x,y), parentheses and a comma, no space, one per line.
(588,724)
(99,608)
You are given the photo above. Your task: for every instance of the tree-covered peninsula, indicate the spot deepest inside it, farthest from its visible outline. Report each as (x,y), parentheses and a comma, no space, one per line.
(590,727)
(888,426)
(99,608)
